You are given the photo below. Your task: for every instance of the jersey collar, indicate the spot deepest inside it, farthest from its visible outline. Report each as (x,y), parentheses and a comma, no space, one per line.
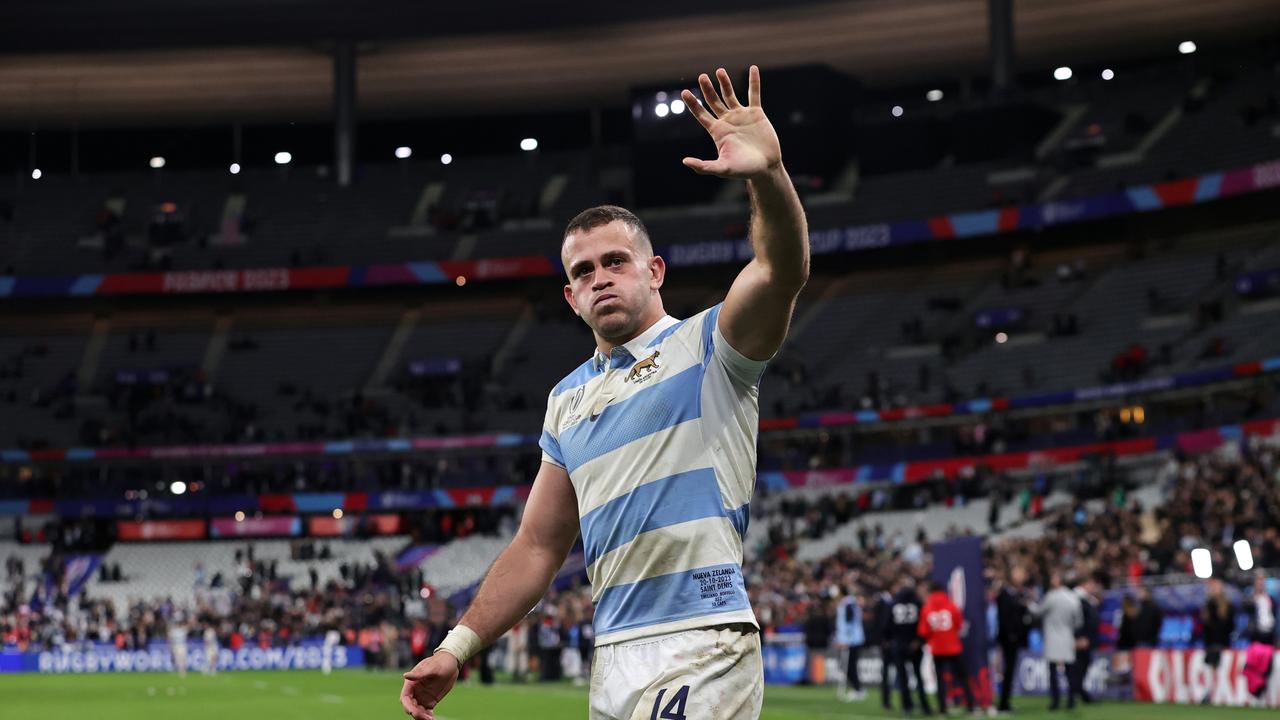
(635,347)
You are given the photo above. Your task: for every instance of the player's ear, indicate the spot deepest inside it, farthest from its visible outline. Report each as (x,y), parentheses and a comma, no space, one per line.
(658,272)
(568,297)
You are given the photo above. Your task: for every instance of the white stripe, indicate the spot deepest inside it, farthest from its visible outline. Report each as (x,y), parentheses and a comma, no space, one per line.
(677,449)
(666,550)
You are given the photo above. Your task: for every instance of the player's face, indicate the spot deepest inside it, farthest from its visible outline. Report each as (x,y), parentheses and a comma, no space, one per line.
(611,282)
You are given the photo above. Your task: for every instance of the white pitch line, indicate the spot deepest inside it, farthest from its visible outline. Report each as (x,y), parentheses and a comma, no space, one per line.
(289,690)
(332,699)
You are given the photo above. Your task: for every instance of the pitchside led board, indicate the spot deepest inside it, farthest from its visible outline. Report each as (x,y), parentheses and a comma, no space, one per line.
(957,564)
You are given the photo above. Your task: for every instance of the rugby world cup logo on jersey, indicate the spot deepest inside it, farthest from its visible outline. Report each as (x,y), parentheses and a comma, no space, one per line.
(644,369)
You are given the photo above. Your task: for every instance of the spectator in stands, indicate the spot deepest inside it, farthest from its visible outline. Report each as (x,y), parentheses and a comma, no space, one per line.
(850,637)
(817,635)
(1013,622)
(1061,615)
(941,625)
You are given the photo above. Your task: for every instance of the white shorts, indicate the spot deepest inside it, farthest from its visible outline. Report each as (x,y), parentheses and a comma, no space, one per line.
(706,674)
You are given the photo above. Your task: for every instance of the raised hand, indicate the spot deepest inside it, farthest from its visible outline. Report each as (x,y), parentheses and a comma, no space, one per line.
(746,143)
(426,684)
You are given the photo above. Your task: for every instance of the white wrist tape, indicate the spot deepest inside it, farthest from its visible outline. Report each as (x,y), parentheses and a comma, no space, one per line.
(462,642)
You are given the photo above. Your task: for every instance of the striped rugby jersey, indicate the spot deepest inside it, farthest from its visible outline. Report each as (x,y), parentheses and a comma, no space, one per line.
(659,440)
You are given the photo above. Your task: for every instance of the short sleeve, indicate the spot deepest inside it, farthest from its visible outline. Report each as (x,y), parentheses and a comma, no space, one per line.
(550,440)
(741,368)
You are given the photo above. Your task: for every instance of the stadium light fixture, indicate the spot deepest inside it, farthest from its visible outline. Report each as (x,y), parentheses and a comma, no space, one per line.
(1002,338)
(1062,73)
(404,152)
(337,513)
(529,144)
(177,487)
(677,106)
(239,516)
(1108,74)
(445,159)
(1244,554)
(1186,47)
(662,109)
(284,158)
(896,111)
(36,174)
(933,95)
(157,162)
(235,168)
(1201,563)
(460,280)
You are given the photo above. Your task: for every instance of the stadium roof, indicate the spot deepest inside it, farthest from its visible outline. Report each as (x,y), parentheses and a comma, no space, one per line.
(133,61)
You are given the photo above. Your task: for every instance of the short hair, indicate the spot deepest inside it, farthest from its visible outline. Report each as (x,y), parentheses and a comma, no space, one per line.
(937,586)
(602,215)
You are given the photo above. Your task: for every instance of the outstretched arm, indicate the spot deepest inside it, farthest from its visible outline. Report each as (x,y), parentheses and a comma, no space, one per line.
(514,584)
(758,309)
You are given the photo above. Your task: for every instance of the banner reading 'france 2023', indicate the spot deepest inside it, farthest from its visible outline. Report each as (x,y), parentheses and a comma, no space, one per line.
(157,657)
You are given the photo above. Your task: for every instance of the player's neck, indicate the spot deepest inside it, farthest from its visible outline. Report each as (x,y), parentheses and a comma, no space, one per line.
(652,315)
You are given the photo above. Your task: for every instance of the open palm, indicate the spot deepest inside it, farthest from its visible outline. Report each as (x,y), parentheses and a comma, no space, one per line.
(746,143)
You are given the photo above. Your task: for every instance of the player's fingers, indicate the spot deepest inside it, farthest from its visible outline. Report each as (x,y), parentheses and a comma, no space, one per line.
(726,89)
(411,705)
(710,96)
(703,167)
(753,86)
(704,118)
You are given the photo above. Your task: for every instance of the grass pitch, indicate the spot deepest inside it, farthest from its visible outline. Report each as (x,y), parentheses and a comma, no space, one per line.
(356,694)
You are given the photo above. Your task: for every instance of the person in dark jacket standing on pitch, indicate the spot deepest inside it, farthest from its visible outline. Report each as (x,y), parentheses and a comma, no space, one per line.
(1150,620)
(1218,620)
(1086,636)
(1013,622)
(905,646)
(879,634)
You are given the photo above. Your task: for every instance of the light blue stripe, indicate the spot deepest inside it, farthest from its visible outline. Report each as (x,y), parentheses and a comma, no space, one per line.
(708,334)
(85,285)
(1208,187)
(669,598)
(1271,364)
(81,454)
(508,440)
(899,473)
(672,500)
(1144,197)
(740,518)
(14,455)
(984,222)
(340,447)
(14,507)
(427,272)
(666,333)
(399,444)
(318,502)
(551,446)
(867,416)
(979,405)
(444,498)
(503,495)
(863,474)
(1231,432)
(575,379)
(669,403)
(6,286)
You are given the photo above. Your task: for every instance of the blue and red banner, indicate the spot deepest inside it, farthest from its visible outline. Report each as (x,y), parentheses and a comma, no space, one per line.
(1136,199)
(957,565)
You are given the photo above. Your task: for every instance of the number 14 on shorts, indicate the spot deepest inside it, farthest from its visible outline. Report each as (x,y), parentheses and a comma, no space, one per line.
(674,709)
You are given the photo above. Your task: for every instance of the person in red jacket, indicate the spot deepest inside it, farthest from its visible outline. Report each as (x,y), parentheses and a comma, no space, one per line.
(940,625)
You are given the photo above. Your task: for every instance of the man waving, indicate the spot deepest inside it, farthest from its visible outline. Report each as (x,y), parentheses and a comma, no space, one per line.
(649,452)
